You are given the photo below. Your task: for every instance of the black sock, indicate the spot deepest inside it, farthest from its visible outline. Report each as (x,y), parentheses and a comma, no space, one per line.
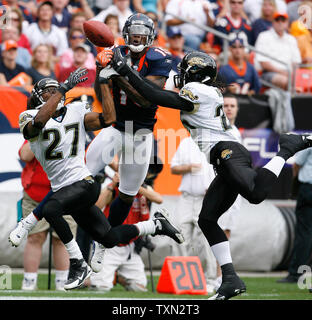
(118,212)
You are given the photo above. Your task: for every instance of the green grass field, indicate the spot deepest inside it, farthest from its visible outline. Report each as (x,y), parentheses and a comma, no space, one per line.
(258,288)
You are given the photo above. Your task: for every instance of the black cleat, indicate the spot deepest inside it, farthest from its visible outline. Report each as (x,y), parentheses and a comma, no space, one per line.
(165,227)
(292,143)
(79,271)
(289,279)
(231,286)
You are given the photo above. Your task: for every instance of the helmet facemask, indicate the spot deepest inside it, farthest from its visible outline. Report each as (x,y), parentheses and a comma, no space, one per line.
(138,25)
(40,88)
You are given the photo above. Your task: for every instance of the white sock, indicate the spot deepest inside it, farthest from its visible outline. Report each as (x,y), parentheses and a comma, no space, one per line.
(73,250)
(146,227)
(31,221)
(31,276)
(61,275)
(275,165)
(222,252)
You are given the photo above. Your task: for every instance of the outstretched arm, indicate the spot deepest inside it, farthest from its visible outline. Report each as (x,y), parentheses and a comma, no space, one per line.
(148,89)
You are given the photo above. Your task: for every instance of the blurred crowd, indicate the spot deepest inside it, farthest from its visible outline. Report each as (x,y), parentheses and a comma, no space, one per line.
(46,39)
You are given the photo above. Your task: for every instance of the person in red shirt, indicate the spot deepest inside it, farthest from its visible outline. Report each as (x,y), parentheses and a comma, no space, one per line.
(81,52)
(35,187)
(123,263)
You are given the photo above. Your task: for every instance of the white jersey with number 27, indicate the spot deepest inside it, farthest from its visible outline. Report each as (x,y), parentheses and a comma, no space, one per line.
(60,146)
(207,123)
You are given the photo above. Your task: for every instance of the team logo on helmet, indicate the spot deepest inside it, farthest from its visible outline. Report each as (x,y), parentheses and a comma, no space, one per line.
(197,61)
(226,154)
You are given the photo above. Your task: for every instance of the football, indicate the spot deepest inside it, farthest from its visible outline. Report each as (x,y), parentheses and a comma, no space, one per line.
(98,33)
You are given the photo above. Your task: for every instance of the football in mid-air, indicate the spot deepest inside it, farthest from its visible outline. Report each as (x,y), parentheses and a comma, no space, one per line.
(98,33)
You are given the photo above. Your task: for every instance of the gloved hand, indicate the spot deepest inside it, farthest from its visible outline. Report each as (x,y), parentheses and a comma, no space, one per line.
(119,63)
(104,57)
(106,73)
(73,79)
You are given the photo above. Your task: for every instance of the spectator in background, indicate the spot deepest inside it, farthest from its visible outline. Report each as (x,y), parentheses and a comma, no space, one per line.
(44,31)
(253,8)
(23,56)
(80,57)
(100,5)
(9,69)
(265,21)
(120,8)
(124,259)
(302,249)
(160,38)
(76,37)
(190,163)
(240,76)
(233,23)
(176,48)
(35,186)
(305,46)
(194,10)
(41,64)
(15,16)
(277,43)
(302,25)
(113,23)
(77,20)
(15,4)
(61,15)
(145,6)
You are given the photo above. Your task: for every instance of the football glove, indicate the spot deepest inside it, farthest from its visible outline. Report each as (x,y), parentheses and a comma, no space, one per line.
(106,73)
(104,57)
(74,78)
(120,64)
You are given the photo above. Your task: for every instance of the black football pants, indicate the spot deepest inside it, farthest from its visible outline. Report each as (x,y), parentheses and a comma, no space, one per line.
(78,201)
(235,175)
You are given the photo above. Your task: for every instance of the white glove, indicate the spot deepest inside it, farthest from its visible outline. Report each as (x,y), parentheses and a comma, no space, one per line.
(106,73)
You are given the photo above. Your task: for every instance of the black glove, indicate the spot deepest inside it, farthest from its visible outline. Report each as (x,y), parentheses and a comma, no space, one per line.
(73,79)
(119,63)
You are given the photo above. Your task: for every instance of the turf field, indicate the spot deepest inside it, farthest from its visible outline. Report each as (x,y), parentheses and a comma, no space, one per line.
(258,288)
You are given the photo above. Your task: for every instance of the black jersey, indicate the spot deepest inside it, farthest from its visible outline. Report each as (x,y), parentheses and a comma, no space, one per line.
(155,62)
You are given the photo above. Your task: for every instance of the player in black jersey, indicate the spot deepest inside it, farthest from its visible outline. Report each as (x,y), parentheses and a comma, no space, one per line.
(132,135)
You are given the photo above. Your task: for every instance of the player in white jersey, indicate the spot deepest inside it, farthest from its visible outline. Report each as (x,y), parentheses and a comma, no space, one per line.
(57,137)
(201,105)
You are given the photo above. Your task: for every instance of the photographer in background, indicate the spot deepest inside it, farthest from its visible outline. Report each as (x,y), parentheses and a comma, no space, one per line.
(123,263)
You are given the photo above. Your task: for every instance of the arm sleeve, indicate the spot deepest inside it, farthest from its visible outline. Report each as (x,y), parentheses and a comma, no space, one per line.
(156,95)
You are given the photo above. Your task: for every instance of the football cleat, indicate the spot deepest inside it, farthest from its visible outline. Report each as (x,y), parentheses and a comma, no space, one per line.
(292,143)
(97,257)
(79,271)
(19,233)
(231,286)
(165,227)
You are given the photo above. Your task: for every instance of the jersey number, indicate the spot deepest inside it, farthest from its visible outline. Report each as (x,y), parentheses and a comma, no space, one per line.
(50,154)
(224,121)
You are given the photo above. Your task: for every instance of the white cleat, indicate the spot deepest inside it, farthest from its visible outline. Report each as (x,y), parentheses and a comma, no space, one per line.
(19,233)
(97,257)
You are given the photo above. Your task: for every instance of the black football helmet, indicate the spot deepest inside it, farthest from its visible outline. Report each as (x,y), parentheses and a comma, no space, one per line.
(196,67)
(39,89)
(139,24)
